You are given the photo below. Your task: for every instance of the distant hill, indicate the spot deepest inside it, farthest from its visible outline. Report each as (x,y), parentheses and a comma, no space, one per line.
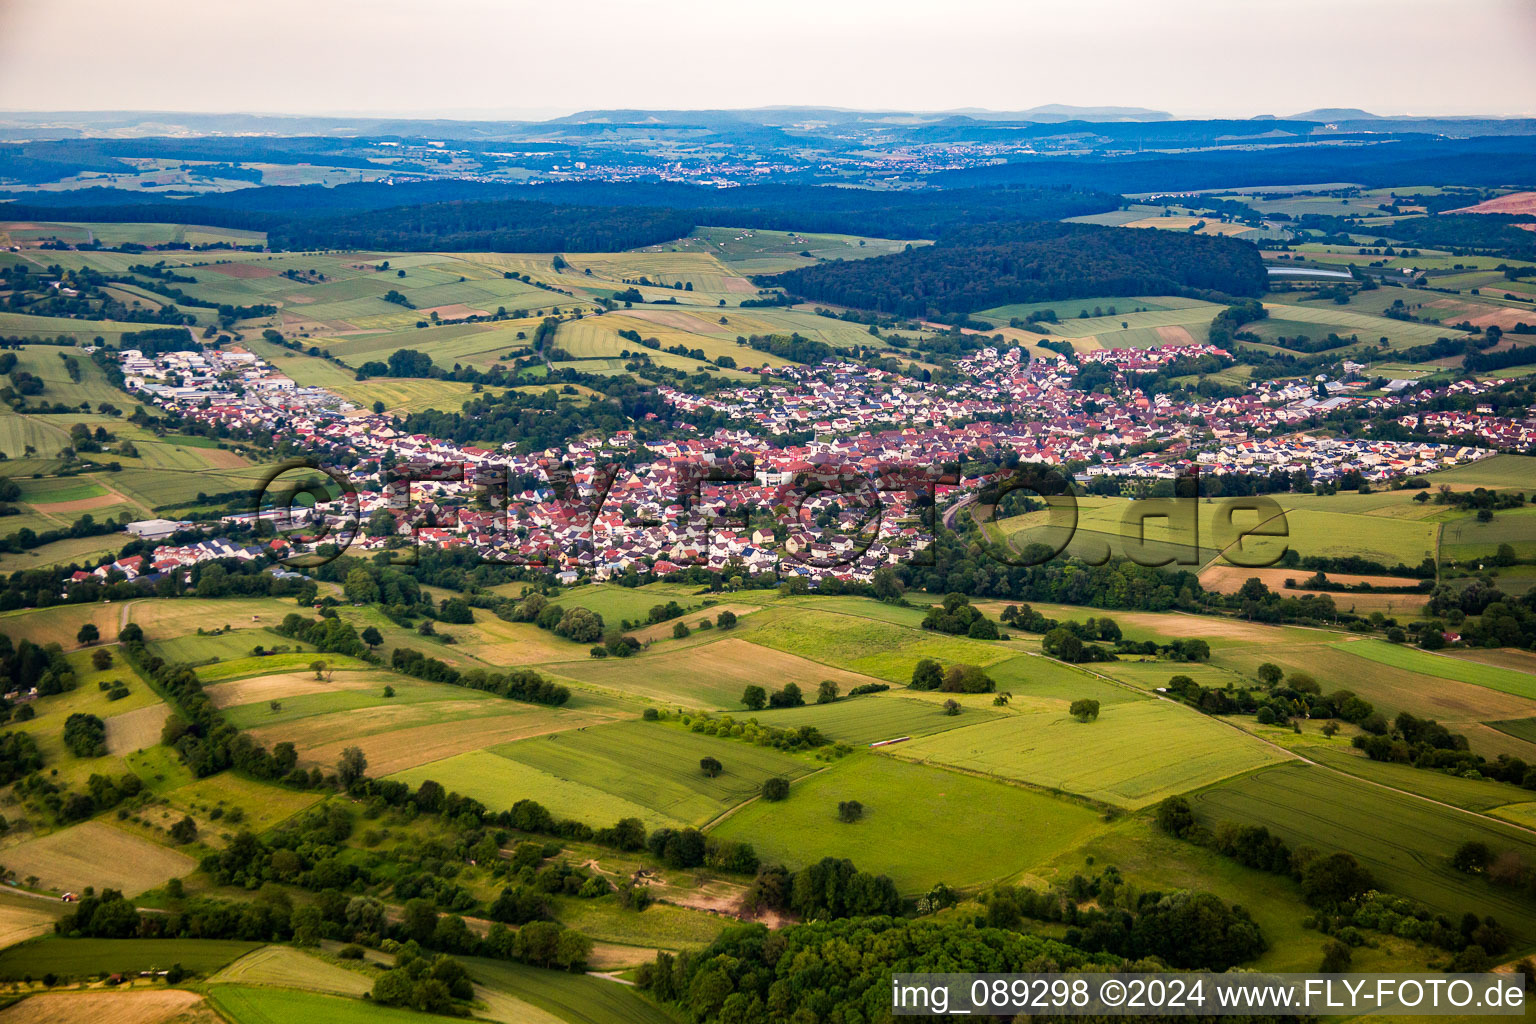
(1336,114)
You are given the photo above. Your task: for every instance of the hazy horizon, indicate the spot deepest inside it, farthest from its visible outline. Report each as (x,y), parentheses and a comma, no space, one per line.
(484,60)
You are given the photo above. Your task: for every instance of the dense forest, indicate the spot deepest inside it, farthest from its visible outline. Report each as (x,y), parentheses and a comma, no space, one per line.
(489,227)
(979,267)
(1492,231)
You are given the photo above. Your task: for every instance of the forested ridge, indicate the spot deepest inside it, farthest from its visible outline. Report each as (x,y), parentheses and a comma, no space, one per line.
(489,227)
(978,267)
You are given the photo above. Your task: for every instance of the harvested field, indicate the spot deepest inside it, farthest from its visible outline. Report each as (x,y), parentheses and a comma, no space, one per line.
(135,730)
(288,684)
(1228,579)
(1515,202)
(130,1007)
(287,967)
(397,750)
(93,853)
(22,918)
(1175,335)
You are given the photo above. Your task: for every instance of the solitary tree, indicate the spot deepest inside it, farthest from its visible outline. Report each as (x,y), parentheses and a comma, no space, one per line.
(710,767)
(1270,674)
(101,658)
(184,831)
(88,634)
(775,788)
(826,693)
(849,811)
(726,619)
(351,765)
(951,707)
(372,637)
(318,668)
(927,675)
(1084,710)
(754,698)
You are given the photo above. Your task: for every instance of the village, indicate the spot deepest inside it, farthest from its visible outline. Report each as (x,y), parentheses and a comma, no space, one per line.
(851,498)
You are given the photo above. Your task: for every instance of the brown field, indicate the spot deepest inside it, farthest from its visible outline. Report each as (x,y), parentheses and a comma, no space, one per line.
(241,270)
(1503,319)
(321,739)
(23,918)
(108,500)
(129,1007)
(287,684)
(1502,657)
(60,623)
(1227,579)
(135,730)
(1515,202)
(1392,690)
(96,854)
(1175,335)
(453,311)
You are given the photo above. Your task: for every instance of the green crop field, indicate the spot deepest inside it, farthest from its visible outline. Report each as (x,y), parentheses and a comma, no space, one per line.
(1133,755)
(81,957)
(286,967)
(576,998)
(1405,842)
(881,649)
(1472,794)
(707,675)
(876,717)
(1512,471)
(245,1004)
(1465,539)
(1411,659)
(656,766)
(921,824)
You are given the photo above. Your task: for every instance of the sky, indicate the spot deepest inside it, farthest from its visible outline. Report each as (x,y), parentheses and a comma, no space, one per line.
(520,59)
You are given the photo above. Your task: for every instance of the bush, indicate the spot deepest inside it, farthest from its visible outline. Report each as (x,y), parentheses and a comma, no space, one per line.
(775,789)
(850,811)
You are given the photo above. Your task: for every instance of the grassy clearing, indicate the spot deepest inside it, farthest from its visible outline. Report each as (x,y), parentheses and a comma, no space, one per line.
(875,717)
(1472,794)
(657,766)
(881,649)
(708,675)
(1133,755)
(81,957)
(661,924)
(1500,471)
(499,782)
(920,825)
(1406,842)
(261,804)
(286,967)
(615,604)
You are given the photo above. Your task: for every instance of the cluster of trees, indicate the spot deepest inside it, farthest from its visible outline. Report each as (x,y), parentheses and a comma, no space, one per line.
(518,684)
(800,737)
(977,268)
(808,971)
(1230,321)
(928,674)
(1481,231)
(1282,698)
(1075,641)
(755,698)
(25,665)
(85,735)
(1186,930)
(574,623)
(1425,743)
(329,633)
(1328,881)
(958,617)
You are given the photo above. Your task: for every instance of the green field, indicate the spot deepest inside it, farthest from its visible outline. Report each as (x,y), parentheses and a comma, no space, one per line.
(286,967)
(656,766)
(1411,659)
(881,649)
(81,957)
(576,998)
(920,825)
(875,717)
(1133,755)
(1405,842)
(245,1004)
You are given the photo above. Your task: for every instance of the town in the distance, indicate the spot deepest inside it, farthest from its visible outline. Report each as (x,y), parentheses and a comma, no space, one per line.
(658,566)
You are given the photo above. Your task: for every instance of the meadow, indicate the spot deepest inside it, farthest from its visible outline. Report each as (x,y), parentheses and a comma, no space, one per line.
(95,853)
(1405,842)
(1133,755)
(868,719)
(921,824)
(656,766)
(286,967)
(575,998)
(1411,659)
(245,1004)
(868,646)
